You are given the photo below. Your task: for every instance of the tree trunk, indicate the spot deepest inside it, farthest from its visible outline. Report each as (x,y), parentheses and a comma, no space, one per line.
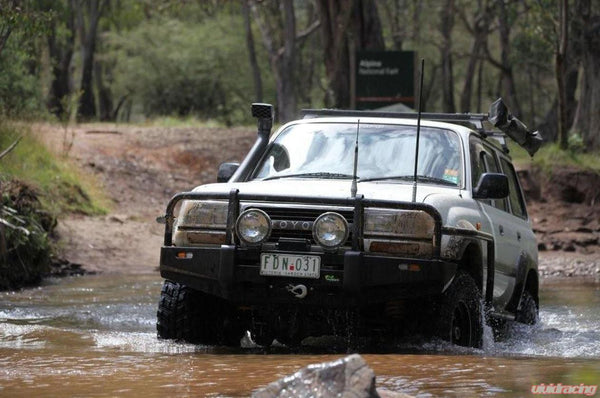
(61,55)
(549,128)
(480,32)
(509,90)
(446,26)
(258,90)
(339,19)
(335,20)
(587,120)
(561,71)
(286,86)
(105,99)
(88,36)
(368,26)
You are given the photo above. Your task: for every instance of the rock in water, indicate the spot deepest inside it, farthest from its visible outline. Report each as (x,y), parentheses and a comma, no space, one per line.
(346,377)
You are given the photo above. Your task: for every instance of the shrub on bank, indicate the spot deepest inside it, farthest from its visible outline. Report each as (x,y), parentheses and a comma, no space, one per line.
(25,248)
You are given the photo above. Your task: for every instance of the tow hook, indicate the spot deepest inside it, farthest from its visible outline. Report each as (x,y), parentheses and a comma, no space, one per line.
(299,291)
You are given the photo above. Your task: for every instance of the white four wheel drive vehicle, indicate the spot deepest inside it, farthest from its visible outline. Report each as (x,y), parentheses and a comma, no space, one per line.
(355,223)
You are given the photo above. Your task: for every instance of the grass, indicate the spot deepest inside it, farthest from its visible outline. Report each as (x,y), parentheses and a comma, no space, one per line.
(62,188)
(550,157)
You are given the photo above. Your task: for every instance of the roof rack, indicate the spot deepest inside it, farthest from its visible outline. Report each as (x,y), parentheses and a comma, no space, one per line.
(498,117)
(476,119)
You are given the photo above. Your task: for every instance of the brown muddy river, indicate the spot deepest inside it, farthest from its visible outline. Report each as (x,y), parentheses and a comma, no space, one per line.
(94,336)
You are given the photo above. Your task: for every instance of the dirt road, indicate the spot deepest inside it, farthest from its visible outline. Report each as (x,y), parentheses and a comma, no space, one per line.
(140,168)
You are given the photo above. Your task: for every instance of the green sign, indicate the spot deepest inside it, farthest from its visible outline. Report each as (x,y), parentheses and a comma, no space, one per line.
(384,78)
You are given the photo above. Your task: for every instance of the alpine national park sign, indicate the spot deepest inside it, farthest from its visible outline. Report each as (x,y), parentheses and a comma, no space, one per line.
(384,78)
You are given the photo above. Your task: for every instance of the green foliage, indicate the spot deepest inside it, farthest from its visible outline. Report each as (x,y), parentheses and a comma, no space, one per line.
(20,90)
(61,187)
(178,68)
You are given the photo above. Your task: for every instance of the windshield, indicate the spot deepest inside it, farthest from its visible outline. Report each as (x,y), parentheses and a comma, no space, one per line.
(385,152)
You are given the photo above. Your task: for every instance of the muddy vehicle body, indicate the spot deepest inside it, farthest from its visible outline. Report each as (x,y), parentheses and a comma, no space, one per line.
(331,226)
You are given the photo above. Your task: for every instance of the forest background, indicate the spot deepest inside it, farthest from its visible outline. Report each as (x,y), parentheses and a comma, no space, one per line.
(130,60)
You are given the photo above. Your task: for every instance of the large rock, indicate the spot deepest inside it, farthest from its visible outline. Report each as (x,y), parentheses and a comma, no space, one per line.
(346,377)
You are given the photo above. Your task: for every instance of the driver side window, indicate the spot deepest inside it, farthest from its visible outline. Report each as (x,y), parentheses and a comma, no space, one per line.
(483,160)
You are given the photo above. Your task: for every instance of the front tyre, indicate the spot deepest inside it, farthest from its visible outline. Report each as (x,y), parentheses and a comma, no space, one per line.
(192,316)
(460,317)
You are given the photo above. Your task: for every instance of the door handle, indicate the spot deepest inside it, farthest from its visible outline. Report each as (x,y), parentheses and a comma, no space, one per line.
(518,235)
(501,228)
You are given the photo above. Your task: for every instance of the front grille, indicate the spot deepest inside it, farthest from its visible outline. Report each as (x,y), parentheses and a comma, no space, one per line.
(296,223)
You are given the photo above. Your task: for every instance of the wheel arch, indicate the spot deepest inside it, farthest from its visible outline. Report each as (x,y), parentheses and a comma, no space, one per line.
(532,285)
(471,261)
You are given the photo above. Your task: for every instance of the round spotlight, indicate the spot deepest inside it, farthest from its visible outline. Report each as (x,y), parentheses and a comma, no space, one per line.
(253,226)
(330,230)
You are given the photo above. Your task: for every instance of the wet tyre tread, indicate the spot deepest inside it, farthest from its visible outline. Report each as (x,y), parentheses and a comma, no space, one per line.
(462,289)
(188,315)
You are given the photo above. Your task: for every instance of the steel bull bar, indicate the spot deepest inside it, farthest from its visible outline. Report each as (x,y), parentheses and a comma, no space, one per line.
(358,203)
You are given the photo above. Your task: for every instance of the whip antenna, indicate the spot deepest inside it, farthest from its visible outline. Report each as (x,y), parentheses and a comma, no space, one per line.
(414,197)
(354,186)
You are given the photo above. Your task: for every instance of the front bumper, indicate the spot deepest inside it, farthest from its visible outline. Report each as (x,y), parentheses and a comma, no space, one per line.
(354,278)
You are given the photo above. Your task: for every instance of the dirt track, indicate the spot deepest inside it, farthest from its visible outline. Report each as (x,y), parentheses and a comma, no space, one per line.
(140,168)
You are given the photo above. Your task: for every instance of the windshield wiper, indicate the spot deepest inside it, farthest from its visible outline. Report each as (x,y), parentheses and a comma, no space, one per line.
(311,175)
(410,178)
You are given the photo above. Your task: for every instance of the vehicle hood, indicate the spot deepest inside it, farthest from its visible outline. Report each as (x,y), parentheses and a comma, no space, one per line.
(377,190)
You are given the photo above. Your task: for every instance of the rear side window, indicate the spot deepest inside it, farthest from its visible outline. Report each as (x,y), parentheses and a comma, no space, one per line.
(517,204)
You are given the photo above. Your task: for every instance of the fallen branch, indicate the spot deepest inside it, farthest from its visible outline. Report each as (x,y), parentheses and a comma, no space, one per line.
(10,148)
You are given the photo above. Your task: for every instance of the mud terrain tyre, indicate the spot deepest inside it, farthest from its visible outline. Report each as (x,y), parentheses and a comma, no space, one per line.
(460,317)
(528,310)
(185,314)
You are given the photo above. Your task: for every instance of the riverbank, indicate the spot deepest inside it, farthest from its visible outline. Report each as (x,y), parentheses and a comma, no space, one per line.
(141,168)
(36,187)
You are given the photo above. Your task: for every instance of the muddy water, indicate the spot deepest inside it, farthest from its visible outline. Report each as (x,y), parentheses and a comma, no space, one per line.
(94,336)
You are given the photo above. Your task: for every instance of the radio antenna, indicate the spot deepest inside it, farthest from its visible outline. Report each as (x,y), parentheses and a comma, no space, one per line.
(414,196)
(354,186)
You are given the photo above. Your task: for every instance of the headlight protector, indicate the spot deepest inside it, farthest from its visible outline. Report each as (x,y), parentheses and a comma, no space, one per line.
(391,223)
(203,214)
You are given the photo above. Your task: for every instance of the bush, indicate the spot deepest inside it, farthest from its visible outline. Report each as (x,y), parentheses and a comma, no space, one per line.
(20,88)
(25,250)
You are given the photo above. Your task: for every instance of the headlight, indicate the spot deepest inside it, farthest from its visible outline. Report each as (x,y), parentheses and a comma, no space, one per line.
(201,223)
(330,230)
(412,224)
(203,214)
(253,226)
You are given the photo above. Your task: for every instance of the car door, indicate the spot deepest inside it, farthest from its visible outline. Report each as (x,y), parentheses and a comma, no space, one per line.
(484,160)
(519,234)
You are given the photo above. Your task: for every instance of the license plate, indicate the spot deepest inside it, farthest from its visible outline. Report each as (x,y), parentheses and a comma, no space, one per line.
(297,266)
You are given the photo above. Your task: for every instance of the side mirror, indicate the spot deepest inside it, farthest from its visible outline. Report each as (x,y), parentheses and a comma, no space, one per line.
(226,170)
(491,186)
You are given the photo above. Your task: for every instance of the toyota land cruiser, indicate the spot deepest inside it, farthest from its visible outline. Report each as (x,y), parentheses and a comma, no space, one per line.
(354,219)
